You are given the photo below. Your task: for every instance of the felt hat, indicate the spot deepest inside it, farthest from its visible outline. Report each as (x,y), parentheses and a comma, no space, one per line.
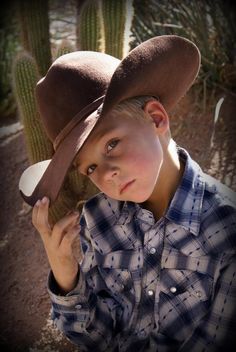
(82,87)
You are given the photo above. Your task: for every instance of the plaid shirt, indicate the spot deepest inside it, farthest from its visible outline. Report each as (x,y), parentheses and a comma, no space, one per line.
(159,286)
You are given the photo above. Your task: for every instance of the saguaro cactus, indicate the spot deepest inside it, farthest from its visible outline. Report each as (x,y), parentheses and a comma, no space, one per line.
(25,77)
(64,48)
(88,26)
(114,17)
(35,36)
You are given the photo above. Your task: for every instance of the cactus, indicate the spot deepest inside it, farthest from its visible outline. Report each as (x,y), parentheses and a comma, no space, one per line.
(64,48)
(25,77)
(35,36)
(88,26)
(8,50)
(67,200)
(114,17)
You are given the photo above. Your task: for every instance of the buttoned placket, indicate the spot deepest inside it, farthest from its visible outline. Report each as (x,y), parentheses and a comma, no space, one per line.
(153,245)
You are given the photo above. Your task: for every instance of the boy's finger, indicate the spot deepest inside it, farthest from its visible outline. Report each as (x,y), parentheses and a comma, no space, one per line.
(69,238)
(62,226)
(41,217)
(34,214)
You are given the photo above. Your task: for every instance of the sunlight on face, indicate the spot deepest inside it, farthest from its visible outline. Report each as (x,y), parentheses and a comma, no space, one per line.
(122,157)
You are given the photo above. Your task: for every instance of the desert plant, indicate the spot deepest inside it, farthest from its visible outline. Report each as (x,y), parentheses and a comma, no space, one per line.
(35,37)
(114,17)
(210,24)
(88,27)
(25,78)
(8,49)
(101,26)
(64,48)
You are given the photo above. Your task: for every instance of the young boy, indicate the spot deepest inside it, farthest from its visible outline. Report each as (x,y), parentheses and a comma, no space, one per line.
(156,270)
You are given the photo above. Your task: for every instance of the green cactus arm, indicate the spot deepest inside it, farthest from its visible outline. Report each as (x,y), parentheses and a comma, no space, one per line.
(25,76)
(65,47)
(114,18)
(34,22)
(89,26)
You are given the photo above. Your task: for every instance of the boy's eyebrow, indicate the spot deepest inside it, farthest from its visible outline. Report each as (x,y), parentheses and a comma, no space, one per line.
(97,135)
(101,134)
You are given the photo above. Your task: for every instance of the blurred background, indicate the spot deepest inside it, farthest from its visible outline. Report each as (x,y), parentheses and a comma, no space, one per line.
(32,35)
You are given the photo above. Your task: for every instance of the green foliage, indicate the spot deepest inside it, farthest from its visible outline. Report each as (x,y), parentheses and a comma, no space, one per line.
(89,26)
(35,36)
(210,24)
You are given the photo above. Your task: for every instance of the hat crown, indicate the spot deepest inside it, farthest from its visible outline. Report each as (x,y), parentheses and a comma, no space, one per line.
(163,66)
(73,81)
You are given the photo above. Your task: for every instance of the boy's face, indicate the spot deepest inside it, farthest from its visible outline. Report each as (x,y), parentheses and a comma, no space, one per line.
(122,157)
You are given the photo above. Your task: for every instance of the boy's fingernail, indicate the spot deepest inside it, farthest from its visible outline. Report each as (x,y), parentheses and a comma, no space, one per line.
(44,200)
(37,203)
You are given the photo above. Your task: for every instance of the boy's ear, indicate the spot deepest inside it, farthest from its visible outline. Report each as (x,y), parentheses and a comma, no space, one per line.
(155,110)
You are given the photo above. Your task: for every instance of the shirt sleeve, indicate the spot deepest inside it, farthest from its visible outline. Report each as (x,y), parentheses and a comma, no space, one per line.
(217,330)
(88,320)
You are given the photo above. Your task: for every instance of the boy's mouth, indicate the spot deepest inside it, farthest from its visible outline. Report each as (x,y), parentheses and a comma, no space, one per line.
(125,186)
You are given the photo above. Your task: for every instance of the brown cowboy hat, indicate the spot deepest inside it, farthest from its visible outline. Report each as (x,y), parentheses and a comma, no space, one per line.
(82,87)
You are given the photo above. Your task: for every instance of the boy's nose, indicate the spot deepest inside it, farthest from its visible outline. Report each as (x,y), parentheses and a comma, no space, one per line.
(110,172)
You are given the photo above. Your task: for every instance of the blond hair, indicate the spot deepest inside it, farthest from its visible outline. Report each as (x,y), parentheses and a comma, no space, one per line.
(132,107)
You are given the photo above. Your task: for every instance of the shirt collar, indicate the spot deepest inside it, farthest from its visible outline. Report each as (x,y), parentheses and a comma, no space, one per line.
(184,210)
(186,206)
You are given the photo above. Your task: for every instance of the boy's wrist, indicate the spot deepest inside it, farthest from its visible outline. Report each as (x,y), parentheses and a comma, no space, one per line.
(63,287)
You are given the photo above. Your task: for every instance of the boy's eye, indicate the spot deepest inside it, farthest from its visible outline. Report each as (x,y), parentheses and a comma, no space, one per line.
(90,169)
(112,144)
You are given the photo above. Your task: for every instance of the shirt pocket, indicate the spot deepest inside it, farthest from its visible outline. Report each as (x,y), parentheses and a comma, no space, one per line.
(181,273)
(186,287)
(178,282)
(118,281)
(112,272)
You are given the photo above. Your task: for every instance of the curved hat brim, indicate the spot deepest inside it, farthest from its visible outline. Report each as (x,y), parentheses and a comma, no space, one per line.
(49,175)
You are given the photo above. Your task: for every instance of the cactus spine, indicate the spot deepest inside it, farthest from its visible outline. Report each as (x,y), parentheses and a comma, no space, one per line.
(114,17)
(35,31)
(25,77)
(89,26)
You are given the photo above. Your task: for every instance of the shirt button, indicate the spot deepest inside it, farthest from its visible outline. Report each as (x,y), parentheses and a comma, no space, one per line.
(150,292)
(173,289)
(199,294)
(153,250)
(122,286)
(78,306)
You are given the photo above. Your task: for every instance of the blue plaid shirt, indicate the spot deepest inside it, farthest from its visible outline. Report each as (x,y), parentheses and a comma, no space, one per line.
(152,286)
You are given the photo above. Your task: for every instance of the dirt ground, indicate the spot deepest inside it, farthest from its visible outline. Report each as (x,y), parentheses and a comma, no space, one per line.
(24,301)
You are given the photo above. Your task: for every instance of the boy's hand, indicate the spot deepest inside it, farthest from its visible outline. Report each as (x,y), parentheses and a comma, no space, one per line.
(60,243)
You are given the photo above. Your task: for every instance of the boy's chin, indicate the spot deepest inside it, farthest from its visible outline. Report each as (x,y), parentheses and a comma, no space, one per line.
(135,198)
